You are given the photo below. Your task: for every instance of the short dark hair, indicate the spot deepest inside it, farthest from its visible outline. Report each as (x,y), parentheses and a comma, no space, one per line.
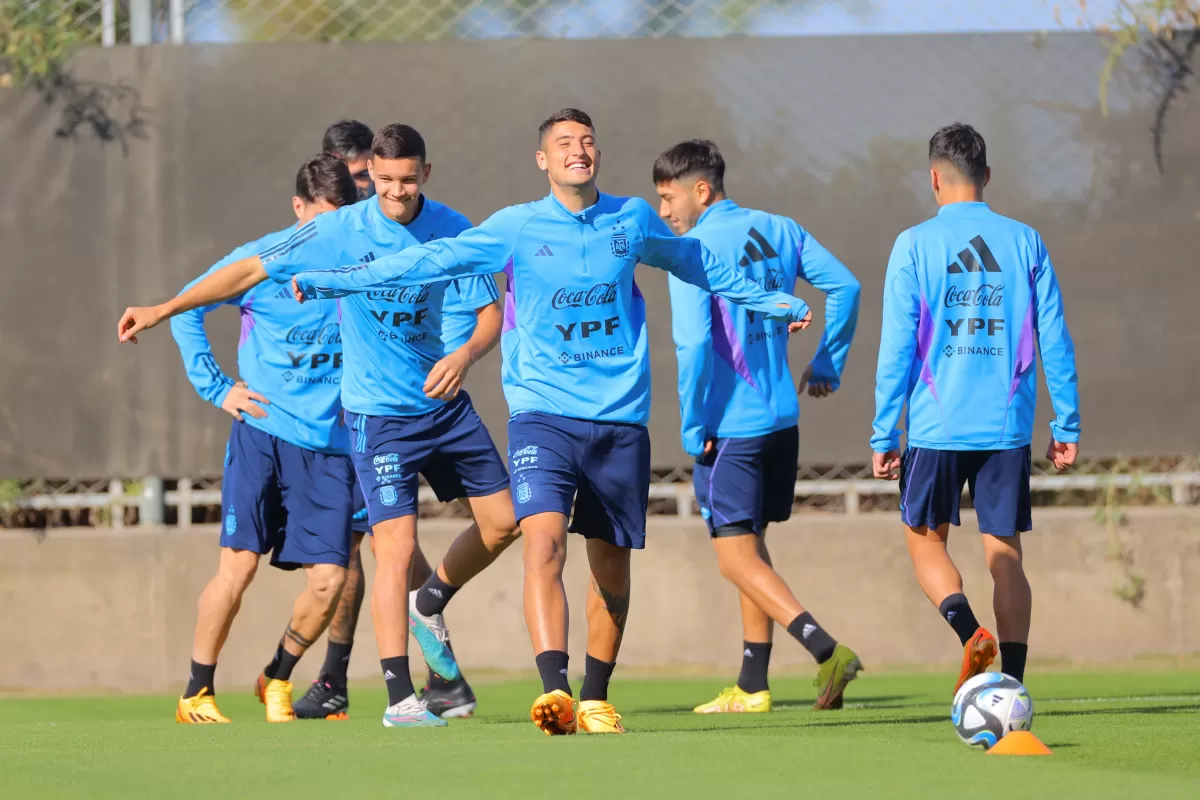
(347,139)
(398,141)
(962,147)
(698,157)
(326,177)
(564,115)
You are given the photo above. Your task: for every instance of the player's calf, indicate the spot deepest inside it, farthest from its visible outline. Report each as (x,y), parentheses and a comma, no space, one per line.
(1012,601)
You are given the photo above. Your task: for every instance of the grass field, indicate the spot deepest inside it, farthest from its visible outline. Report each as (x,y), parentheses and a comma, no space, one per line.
(1114,734)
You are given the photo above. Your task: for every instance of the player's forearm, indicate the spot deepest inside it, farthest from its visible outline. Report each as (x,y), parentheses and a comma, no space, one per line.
(695,372)
(488,322)
(841,321)
(203,372)
(222,285)
(891,385)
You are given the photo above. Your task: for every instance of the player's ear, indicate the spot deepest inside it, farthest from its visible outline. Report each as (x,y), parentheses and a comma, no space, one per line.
(298,207)
(541,160)
(425,172)
(987,176)
(371,168)
(934,181)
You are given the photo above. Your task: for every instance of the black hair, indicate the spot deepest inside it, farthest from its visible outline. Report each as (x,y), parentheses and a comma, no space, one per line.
(698,157)
(326,177)
(962,147)
(565,115)
(398,141)
(348,139)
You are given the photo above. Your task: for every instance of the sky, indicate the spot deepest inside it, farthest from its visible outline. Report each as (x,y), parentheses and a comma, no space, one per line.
(209,21)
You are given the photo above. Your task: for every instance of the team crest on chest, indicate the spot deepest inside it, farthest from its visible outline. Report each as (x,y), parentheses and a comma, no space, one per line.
(619,241)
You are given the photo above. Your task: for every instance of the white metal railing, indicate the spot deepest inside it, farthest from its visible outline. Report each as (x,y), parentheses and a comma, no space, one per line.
(153,499)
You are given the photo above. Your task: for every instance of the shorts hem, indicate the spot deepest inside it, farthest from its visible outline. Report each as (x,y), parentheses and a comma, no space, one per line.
(495,489)
(728,530)
(1007,532)
(637,544)
(390,514)
(926,523)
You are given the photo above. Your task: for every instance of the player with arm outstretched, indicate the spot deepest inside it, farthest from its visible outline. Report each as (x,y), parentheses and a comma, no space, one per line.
(968,294)
(402,425)
(739,407)
(288,481)
(577,379)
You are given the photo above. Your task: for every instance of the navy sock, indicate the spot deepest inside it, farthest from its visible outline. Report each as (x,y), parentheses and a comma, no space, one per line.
(814,638)
(434,595)
(596,675)
(1012,659)
(756,657)
(281,665)
(957,611)
(337,663)
(552,666)
(395,675)
(200,677)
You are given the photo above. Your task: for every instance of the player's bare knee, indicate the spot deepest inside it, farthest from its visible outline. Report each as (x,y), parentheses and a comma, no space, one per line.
(326,581)
(237,569)
(544,554)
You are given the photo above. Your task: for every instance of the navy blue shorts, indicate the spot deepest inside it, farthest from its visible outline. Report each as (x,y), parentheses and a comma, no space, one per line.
(931,484)
(745,483)
(286,500)
(602,468)
(449,446)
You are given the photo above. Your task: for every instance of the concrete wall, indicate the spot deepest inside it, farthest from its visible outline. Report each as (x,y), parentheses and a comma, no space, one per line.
(88,610)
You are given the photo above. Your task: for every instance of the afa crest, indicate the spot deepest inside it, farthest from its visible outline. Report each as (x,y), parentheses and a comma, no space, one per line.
(230,522)
(619,242)
(524,492)
(387,495)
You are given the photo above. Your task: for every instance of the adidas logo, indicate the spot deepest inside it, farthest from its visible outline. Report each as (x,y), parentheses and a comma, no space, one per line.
(333,703)
(563,671)
(435,592)
(950,615)
(970,263)
(747,653)
(755,254)
(388,675)
(368,258)
(807,630)
(545,251)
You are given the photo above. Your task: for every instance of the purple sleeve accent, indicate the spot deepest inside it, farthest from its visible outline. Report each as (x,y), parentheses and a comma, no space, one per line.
(924,341)
(1024,360)
(247,317)
(510,299)
(637,292)
(725,341)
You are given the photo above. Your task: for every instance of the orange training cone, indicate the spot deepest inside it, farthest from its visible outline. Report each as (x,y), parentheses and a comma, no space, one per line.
(1019,743)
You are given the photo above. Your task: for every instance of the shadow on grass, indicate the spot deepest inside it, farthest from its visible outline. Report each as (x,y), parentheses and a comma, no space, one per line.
(864,703)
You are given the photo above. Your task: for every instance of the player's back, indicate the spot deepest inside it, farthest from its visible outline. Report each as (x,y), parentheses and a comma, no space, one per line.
(751,392)
(973,386)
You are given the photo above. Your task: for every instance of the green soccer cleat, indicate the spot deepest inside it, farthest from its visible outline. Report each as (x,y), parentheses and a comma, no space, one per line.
(841,668)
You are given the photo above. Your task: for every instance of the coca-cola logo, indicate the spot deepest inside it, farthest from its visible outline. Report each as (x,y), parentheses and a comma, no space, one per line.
(987,295)
(599,295)
(404,295)
(325,334)
(772,281)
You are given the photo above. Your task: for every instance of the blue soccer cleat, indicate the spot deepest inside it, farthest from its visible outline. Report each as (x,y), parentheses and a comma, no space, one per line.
(431,634)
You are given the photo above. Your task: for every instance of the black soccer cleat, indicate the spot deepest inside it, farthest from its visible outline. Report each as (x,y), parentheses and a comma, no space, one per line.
(448,699)
(323,700)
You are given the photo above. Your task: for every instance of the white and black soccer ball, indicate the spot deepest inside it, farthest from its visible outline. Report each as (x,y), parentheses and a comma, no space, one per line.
(988,707)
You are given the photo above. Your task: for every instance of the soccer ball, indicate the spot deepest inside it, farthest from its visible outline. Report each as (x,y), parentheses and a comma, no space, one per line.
(989,706)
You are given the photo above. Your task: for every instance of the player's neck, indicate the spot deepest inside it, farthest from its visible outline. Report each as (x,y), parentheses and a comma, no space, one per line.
(959,194)
(576,198)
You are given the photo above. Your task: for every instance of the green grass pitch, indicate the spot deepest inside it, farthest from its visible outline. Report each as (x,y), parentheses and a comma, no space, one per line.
(1114,734)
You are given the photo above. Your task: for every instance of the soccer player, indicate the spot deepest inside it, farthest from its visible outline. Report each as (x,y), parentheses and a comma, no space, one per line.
(288,483)
(966,296)
(329,695)
(350,140)
(414,424)
(577,379)
(740,410)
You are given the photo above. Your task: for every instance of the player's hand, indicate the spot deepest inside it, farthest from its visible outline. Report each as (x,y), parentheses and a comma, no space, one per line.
(886,466)
(709,444)
(1063,454)
(242,398)
(137,319)
(447,376)
(793,327)
(817,388)
(297,292)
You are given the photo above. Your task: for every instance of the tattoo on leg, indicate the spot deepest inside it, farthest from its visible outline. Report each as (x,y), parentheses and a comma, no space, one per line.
(290,633)
(617,606)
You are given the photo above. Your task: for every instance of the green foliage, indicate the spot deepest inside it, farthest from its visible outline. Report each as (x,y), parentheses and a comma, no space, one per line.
(37,39)
(10,493)
(1131,588)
